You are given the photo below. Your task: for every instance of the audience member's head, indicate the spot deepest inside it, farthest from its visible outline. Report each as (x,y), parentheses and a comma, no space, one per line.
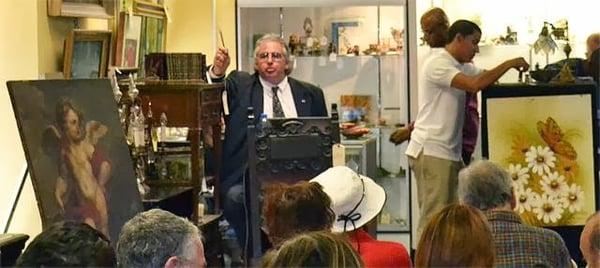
(157,238)
(592,66)
(356,199)
(589,243)
(592,44)
(314,249)
(457,236)
(68,244)
(485,185)
(434,24)
(297,208)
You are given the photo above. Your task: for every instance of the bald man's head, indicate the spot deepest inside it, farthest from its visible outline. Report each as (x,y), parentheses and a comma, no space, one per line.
(593,43)
(434,24)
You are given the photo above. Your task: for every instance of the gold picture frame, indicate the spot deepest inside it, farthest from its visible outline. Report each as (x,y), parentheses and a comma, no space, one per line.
(86,54)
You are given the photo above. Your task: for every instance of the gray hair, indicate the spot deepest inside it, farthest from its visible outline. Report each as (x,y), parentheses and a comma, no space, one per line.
(150,238)
(271,37)
(484,185)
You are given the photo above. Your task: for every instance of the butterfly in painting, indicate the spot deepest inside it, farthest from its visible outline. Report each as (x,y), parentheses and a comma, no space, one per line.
(553,136)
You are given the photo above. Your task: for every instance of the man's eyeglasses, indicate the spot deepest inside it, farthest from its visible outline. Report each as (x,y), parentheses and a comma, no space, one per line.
(275,56)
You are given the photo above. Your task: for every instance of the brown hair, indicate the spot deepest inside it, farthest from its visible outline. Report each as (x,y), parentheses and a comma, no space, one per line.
(296,208)
(446,240)
(314,249)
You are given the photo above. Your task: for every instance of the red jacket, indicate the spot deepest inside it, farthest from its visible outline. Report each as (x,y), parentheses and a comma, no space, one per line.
(379,253)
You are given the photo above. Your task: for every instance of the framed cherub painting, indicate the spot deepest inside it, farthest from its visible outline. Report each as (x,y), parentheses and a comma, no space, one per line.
(76,152)
(546,138)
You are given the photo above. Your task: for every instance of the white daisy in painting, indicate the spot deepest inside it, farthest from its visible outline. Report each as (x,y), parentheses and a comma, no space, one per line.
(554,184)
(526,199)
(573,198)
(540,159)
(549,209)
(519,175)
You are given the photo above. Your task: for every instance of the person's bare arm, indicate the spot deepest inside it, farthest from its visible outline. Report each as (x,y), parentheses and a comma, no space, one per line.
(476,83)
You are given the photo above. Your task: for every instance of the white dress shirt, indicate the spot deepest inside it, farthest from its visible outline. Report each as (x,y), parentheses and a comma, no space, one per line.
(284,93)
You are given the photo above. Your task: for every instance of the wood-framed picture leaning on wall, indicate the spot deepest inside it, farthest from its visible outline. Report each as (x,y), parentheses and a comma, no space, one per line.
(76,152)
(86,54)
(129,31)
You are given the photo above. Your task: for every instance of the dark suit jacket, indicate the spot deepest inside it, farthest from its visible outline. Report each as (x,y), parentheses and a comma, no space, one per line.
(244,90)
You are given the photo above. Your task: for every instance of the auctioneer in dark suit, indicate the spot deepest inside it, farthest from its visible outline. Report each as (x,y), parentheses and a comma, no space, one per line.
(245,90)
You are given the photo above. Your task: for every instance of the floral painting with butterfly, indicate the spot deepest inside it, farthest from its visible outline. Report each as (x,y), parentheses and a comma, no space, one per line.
(546,144)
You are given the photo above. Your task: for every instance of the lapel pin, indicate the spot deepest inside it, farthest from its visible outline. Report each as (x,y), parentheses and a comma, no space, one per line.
(303,101)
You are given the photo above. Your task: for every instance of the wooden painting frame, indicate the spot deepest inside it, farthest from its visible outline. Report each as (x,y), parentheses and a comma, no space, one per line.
(103,9)
(558,123)
(79,161)
(78,46)
(128,41)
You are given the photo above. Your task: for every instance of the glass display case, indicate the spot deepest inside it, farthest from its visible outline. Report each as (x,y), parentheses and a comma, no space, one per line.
(361,155)
(356,52)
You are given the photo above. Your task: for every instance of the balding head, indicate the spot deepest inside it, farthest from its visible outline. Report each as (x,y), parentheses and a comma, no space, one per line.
(589,242)
(434,24)
(593,43)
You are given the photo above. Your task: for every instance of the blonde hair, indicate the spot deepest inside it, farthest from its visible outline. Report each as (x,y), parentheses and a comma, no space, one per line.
(314,249)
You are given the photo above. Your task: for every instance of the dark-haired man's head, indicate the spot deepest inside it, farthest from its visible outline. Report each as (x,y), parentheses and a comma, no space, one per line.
(463,40)
(66,244)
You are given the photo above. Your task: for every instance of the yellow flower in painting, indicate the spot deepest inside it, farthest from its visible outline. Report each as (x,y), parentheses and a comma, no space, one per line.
(520,146)
(573,198)
(540,159)
(567,167)
(553,184)
(549,209)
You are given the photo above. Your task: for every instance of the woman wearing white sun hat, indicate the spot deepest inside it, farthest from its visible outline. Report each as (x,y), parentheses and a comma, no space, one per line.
(356,200)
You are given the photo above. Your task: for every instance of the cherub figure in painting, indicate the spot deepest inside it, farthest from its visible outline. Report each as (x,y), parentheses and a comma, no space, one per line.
(83,170)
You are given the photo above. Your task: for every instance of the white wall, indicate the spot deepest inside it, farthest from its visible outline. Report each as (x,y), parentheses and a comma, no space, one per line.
(19,54)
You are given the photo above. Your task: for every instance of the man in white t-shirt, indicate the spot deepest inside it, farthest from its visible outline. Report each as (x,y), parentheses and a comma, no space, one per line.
(434,152)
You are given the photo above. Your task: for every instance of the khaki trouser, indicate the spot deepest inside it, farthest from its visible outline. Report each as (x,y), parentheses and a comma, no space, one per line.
(437,181)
